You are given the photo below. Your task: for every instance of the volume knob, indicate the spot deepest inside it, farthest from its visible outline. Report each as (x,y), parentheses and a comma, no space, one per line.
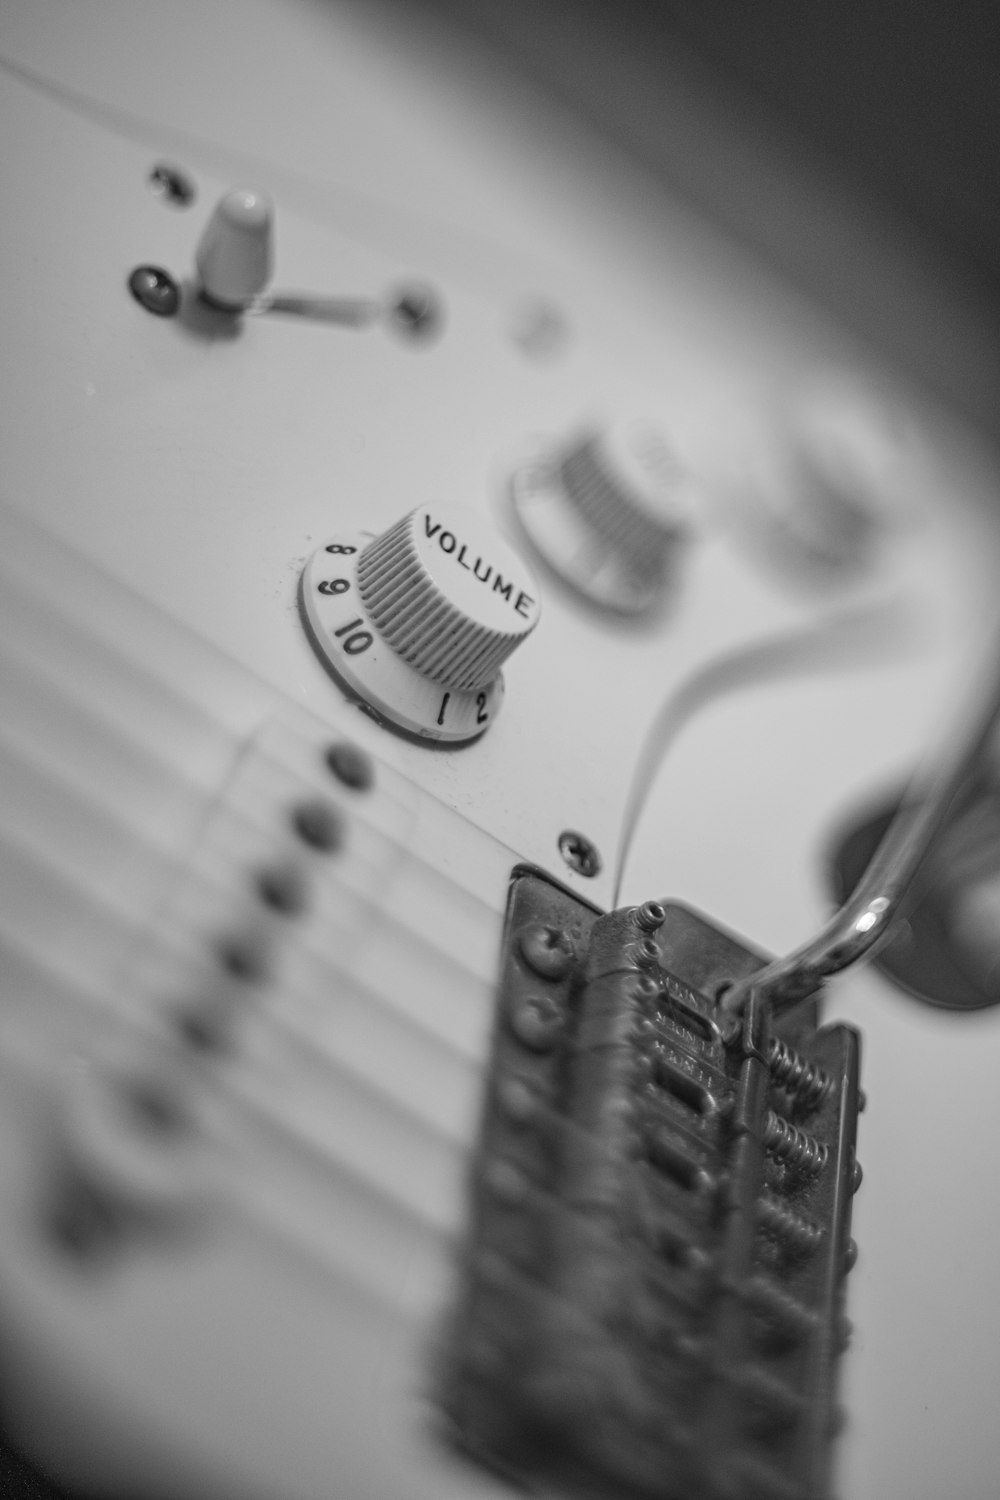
(417,622)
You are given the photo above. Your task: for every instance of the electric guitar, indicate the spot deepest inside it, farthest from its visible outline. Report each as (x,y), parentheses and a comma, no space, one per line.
(254,904)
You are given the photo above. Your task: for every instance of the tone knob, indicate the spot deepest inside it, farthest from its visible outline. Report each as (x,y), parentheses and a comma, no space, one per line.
(853,458)
(825,478)
(608,513)
(418,622)
(236,251)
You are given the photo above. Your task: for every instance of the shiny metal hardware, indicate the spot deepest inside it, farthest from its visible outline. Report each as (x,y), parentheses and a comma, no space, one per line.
(866,918)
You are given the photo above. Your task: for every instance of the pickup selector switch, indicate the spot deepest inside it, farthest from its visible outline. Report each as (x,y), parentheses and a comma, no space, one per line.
(418,622)
(236,250)
(608,513)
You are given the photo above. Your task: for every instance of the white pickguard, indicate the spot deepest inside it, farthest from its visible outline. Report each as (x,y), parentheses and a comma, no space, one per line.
(162,709)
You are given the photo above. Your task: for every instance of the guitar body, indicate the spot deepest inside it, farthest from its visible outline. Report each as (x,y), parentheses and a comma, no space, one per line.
(251,1303)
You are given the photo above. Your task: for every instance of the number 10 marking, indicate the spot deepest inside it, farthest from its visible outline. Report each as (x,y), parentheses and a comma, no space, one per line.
(359,641)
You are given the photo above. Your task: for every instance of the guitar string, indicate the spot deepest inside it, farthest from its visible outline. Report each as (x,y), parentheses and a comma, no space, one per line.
(319,1149)
(770,655)
(127,920)
(81,795)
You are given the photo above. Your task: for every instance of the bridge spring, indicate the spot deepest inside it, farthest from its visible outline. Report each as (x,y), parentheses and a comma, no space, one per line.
(805,1079)
(799,1233)
(798,1148)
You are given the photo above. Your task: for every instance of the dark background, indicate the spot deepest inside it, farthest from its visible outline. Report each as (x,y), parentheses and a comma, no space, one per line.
(903,96)
(850,142)
(890,109)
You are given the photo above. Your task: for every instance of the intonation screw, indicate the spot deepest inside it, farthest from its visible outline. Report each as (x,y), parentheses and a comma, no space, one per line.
(649,916)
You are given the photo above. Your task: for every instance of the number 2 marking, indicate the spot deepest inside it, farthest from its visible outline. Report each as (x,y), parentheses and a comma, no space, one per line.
(482,717)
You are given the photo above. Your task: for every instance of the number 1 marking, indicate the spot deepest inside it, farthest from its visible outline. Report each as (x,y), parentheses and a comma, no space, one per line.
(444,705)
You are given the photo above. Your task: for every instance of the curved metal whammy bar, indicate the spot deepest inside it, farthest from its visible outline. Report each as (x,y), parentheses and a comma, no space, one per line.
(866,918)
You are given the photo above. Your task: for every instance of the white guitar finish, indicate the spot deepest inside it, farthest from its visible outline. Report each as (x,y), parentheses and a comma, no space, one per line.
(266,1323)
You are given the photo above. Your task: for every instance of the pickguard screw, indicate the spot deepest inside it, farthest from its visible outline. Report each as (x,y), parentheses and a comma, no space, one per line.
(416,312)
(172,185)
(537,1021)
(547,950)
(579,852)
(155,290)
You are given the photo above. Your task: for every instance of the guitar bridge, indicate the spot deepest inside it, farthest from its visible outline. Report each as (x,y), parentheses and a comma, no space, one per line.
(652,1289)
